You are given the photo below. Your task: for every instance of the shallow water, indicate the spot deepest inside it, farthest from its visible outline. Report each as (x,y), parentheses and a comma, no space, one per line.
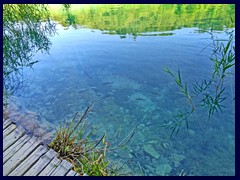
(125,78)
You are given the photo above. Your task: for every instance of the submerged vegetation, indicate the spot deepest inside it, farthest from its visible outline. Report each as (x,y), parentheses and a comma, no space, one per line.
(75,143)
(210,92)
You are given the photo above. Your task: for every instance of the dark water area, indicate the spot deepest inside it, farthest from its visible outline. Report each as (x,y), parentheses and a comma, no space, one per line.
(116,57)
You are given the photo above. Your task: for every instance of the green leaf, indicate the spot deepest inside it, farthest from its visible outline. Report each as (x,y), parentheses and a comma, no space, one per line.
(227,47)
(228,66)
(179,77)
(168,71)
(66,148)
(174,127)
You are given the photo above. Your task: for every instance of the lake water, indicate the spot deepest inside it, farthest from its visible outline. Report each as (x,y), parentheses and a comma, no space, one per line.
(122,71)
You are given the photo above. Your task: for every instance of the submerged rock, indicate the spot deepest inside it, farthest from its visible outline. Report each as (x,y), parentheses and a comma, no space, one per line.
(191,132)
(163,169)
(165,145)
(152,142)
(177,158)
(150,168)
(149,149)
(144,103)
(141,126)
(32,122)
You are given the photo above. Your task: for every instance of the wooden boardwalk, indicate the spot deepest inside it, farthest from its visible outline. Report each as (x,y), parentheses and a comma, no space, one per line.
(27,156)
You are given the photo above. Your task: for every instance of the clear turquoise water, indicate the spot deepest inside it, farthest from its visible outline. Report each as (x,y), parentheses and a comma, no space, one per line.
(126,80)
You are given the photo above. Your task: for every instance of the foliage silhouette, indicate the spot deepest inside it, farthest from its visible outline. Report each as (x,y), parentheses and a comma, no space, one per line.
(26,28)
(211,91)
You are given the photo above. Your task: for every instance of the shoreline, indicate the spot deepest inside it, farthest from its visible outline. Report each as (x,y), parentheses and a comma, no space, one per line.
(32,123)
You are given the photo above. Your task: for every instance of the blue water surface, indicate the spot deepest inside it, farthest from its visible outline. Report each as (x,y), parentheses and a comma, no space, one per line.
(125,78)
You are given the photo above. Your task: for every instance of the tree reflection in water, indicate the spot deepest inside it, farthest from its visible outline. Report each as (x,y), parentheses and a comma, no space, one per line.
(26,31)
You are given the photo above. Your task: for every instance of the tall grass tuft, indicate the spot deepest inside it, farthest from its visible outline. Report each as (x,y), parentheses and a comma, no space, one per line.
(75,144)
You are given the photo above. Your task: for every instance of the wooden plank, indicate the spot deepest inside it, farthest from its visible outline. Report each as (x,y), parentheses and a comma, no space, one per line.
(14,148)
(41,163)
(9,129)
(50,167)
(62,169)
(71,173)
(29,161)
(13,137)
(6,123)
(20,155)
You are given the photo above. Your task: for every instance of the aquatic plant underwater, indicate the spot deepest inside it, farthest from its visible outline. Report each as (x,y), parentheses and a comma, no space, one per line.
(75,143)
(223,58)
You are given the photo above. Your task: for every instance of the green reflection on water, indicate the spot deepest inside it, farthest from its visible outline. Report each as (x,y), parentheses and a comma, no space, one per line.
(136,19)
(26,31)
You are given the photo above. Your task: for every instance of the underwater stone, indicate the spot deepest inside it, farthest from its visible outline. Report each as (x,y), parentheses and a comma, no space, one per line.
(152,142)
(130,155)
(154,161)
(148,148)
(130,150)
(163,160)
(150,168)
(191,132)
(140,126)
(176,158)
(148,159)
(148,123)
(163,169)
(165,145)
